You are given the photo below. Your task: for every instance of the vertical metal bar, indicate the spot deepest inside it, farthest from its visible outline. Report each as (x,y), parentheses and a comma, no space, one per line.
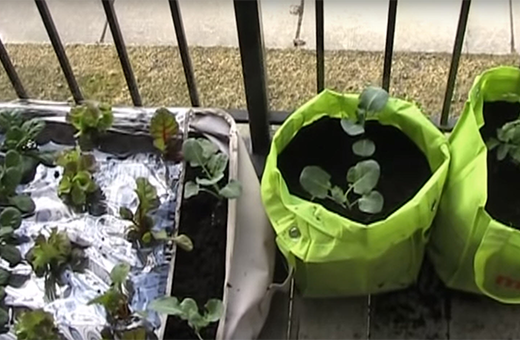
(59,50)
(320,58)
(110,12)
(389,46)
(249,27)
(184,51)
(11,72)
(457,49)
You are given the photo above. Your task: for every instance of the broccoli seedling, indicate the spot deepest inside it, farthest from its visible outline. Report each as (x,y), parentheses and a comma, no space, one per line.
(188,311)
(200,152)
(142,223)
(51,257)
(507,142)
(36,325)
(91,120)
(164,128)
(10,178)
(363,177)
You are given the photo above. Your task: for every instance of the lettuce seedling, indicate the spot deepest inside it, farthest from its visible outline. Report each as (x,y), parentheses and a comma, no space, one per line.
(507,142)
(363,177)
(91,120)
(10,178)
(188,311)
(51,257)
(77,183)
(36,325)
(200,152)
(164,128)
(142,223)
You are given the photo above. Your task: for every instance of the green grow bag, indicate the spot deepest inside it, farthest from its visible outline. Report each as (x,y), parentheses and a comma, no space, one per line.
(469,249)
(332,255)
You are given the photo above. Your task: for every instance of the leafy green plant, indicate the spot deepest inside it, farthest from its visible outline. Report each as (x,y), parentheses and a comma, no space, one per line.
(200,152)
(507,142)
(51,257)
(164,128)
(142,223)
(188,311)
(20,135)
(91,119)
(77,182)
(363,177)
(10,178)
(36,325)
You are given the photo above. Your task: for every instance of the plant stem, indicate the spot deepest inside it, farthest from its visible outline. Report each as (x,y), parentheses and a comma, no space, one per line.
(353,203)
(211,192)
(198,335)
(215,186)
(332,199)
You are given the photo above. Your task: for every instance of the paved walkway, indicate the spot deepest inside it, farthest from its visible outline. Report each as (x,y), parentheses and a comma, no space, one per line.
(422,25)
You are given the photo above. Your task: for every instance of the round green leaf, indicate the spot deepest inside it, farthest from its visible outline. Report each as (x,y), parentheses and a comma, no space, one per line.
(167,305)
(364,148)
(33,127)
(364,177)
(119,273)
(502,151)
(492,143)
(11,254)
(315,181)
(12,177)
(160,235)
(190,308)
(4,317)
(209,181)
(208,148)
(214,310)
(193,152)
(4,276)
(191,189)
(337,195)
(373,99)
(2,293)
(11,217)
(352,128)
(12,159)
(64,186)
(126,213)
(371,203)
(163,127)
(24,203)
(82,180)
(6,232)
(183,242)
(232,190)
(217,163)
(78,196)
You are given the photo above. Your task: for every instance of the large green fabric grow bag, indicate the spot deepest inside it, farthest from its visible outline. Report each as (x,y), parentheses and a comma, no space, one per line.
(470,250)
(332,255)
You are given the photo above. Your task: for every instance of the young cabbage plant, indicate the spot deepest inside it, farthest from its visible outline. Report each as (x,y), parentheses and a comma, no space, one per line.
(91,120)
(141,229)
(363,177)
(51,257)
(36,325)
(10,178)
(164,129)
(507,142)
(188,311)
(77,182)
(200,152)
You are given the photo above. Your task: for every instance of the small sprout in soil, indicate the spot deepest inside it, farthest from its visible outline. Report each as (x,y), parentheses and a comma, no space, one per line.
(10,178)
(163,129)
(507,142)
(36,325)
(20,135)
(188,311)
(363,177)
(77,184)
(51,257)
(91,120)
(141,229)
(200,152)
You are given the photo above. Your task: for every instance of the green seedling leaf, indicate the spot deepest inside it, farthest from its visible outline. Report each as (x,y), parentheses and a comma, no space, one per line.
(191,189)
(167,305)
(138,333)
(373,99)
(232,190)
(183,242)
(119,273)
(209,181)
(193,152)
(2,293)
(24,203)
(12,177)
(11,254)
(364,176)
(47,158)
(315,181)
(352,128)
(36,325)
(147,237)
(338,195)
(160,235)
(163,128)
(4,277)
(79,198)
(208,148)
(12,159)
(371,203)
(10,218)
(4,316)
(492,143)
(214,310)
(126,213)
(87,163)
(64,186)
(33,127)
(6,232)
(14,138)
(217,164)
(147,195)
(83,180)
(364,148)
(502,151)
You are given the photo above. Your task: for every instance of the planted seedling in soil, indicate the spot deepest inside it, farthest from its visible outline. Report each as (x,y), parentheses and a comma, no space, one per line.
(142,223)
(507,142)
(200,152)
(10,178)
(20,135)
(51,257)
(363,177)
(91,120)
(36,325)
(188,311)
(115,302)
(164,129)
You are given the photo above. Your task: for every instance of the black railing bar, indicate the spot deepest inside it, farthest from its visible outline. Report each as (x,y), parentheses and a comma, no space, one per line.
(59,50)
(184,52)
(11,72)
(250,41)
(389,45)
(110,13)
(275,117)
(457,49)
(320,46)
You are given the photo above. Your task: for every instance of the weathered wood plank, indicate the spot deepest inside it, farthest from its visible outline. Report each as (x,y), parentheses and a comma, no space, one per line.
(479,317)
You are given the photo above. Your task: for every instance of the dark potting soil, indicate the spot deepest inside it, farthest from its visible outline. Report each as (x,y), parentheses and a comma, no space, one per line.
(503,176)
(404,168)
(199,274)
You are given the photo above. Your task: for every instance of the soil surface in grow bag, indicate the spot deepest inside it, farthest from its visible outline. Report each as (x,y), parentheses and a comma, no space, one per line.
(503,176)
(404,168)
(200,274)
